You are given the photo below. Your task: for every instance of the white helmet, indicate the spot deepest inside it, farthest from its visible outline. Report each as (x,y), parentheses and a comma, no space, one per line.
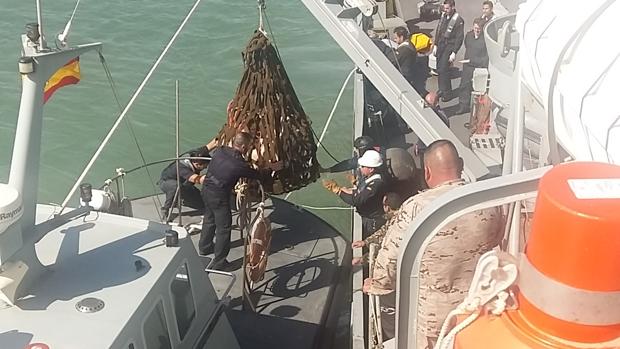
(371,158)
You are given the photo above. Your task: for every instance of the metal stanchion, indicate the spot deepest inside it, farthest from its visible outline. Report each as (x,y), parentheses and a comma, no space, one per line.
(374,308)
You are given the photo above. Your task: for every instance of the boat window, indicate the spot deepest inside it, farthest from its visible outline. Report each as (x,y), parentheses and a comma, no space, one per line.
(183,300)
(155,329)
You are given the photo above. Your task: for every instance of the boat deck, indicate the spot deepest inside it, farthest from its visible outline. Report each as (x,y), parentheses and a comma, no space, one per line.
(306,271)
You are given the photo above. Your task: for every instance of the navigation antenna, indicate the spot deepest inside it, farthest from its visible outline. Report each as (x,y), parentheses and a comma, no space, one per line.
(61,38)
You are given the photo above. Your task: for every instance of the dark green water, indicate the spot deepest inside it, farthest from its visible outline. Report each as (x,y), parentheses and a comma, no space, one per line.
(205,59)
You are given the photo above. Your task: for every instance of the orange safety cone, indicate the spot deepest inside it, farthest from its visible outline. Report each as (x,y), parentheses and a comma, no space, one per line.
(569,277)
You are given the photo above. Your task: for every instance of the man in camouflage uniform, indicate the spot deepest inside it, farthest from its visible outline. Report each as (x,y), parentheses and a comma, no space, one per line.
(391,204)
(449,261)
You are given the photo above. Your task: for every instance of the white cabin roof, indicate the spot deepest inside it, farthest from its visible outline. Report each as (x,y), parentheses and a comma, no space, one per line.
(92,257)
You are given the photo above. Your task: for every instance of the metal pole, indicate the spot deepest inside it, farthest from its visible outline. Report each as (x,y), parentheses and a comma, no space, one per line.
(179,197)
(377,309)
(40,22)
(379,331)
(513,246)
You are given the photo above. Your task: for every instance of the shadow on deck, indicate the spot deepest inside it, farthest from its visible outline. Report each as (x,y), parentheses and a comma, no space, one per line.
(305,295)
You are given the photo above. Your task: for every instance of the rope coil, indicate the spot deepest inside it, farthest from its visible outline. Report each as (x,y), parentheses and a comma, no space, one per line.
(490,291)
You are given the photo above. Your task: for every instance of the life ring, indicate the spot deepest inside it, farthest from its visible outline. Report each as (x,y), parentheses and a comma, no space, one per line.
(258,249)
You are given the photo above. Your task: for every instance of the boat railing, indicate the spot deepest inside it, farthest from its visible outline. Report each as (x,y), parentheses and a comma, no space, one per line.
(374,307)
(358,321)
(495,192)
(116,185)
(502,47)
(232,277)
(502,41)
(121,173)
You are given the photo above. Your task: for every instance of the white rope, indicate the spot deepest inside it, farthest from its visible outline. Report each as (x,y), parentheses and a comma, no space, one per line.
(444,340)
(331,114)
(336,102)
(128,106)
(242,204)
(447,342)
(489,292)
(496,307)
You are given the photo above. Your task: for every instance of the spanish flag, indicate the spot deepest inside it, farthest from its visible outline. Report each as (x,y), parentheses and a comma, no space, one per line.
(68,74)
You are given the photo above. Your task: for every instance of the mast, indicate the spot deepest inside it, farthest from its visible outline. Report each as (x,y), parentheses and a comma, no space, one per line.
(36,67)
(20,267)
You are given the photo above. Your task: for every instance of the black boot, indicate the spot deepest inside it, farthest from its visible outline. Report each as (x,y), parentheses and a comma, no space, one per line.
(447,96)
(164,214)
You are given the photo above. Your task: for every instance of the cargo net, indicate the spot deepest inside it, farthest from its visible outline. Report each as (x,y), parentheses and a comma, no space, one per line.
(266,106)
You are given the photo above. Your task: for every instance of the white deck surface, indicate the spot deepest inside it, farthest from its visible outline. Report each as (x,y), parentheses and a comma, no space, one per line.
(87,258)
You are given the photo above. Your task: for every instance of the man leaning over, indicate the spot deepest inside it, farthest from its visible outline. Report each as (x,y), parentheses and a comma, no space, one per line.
(189,175)
(226,167)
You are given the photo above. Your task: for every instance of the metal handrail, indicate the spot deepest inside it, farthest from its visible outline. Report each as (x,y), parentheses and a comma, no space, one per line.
(210,324)
(123,172)
(224,273)
(374,307)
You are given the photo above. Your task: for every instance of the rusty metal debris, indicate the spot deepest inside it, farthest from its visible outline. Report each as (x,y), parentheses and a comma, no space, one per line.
(266,106)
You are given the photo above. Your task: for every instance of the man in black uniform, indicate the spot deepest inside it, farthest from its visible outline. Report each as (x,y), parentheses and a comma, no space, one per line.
(476,56)
(226,167)
(448,41)
(189,175)
(406,55)
(487,12)
(367,196)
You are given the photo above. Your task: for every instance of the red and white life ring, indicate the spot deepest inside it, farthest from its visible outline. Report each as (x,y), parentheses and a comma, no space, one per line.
(258,248)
